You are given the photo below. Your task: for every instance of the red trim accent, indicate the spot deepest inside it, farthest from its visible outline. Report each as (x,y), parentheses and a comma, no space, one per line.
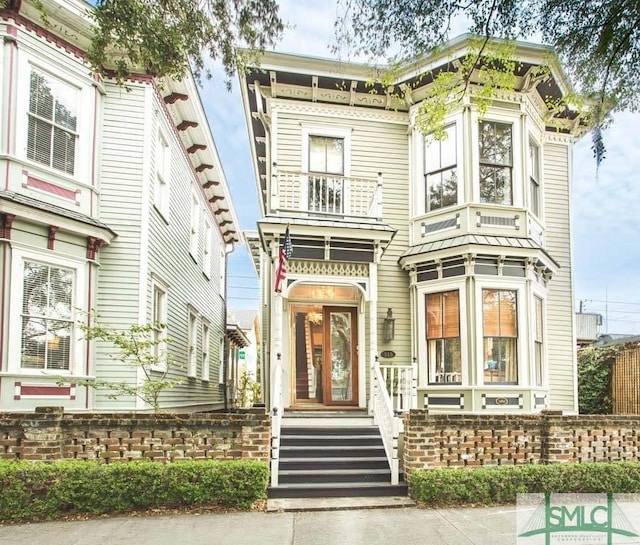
(52,237)
(93,246)
(45,390)
(174,97)
(7,222)
(52,188)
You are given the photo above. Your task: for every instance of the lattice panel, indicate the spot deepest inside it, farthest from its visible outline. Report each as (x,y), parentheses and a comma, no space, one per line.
(324,268)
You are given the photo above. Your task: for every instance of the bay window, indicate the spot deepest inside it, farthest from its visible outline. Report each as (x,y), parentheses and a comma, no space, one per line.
(443,337)
(496,162)
(52,122)
(500,336)
(440,171)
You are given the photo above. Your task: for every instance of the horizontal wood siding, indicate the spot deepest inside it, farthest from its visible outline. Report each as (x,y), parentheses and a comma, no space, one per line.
(121,174)
(560,338)
(187,284)
(376,146)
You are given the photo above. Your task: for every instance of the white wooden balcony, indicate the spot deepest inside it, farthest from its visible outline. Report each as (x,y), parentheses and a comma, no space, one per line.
(479,219)
(319,194)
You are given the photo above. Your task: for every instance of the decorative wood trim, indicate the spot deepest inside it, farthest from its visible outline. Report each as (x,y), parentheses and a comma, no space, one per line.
(196,147)
(51,237)
(7,222)
(209,183)
(202,167)
(94,245)
(174,97)
(184,125)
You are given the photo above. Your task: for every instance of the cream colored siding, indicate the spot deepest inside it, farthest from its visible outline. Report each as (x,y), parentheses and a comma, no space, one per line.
(376,147)
(560,340)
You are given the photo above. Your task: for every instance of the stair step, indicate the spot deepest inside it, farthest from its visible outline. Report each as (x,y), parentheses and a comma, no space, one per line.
(319,476)
(287,441)
(337,490)
(329,431)
(331,451)
(337,463)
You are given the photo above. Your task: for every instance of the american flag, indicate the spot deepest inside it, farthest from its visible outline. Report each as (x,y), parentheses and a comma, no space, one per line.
(285,253)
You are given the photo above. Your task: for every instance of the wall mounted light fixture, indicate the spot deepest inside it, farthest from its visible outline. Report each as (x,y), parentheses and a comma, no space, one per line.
(388,326)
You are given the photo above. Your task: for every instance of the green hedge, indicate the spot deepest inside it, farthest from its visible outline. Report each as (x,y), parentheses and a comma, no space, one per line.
(44,491)
(486,486)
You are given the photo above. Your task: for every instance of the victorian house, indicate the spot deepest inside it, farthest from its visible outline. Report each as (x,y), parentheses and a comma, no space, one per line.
(424,272)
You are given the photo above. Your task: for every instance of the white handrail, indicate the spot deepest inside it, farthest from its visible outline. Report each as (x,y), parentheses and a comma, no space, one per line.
(387,421)
(276,420)
(399,382)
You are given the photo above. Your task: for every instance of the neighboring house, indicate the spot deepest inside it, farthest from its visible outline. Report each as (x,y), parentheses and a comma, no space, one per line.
(448,260)
(242,332)
(587,328)
(113,199)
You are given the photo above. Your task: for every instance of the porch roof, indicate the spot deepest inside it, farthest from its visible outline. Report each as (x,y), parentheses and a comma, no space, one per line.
(21,205)
(517,243)
(338,223)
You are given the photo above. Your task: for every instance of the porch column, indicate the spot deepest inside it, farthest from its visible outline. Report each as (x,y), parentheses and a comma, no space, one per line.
(276,353)
(373,329)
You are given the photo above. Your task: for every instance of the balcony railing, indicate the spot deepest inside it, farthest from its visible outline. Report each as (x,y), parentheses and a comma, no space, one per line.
(319,194)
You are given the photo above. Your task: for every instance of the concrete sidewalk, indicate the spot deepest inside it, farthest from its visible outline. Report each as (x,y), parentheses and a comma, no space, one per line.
(400,526)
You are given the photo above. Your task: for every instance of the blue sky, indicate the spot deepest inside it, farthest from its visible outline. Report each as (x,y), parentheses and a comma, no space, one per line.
(605,206)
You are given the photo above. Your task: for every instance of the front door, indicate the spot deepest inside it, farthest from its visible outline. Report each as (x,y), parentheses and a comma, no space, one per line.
(326,366)
(339,380)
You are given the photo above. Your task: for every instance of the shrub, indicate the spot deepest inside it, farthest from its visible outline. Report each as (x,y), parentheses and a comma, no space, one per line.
(43,491)
(487,486)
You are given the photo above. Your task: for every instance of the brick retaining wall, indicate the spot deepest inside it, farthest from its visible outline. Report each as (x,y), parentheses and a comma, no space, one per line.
(438,440)
(48,434)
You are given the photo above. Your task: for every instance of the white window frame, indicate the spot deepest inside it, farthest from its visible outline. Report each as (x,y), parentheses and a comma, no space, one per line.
(207,247)
(77,345)
(328,131)
(205,349)
(194,225)
(539,293)
(493,115)
(84,154)
(522,322)
(430,140)
(455,283)
(159,314)
(531,179)
(192,342)
(163,169)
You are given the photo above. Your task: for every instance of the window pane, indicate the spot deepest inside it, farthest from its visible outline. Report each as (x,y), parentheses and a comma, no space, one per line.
(66,107)
(508,327)
(434,315)
(335,155)
(451,318)
(39,141)
(41,96)
(448,148)
(495,185)
(317,149)
(495,143)
(490,313)
(63,150)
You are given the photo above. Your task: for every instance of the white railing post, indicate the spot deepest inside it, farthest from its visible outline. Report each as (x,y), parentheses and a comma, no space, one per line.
(387,421)
(276,410)
(274,191)
(414,384)
(379,197)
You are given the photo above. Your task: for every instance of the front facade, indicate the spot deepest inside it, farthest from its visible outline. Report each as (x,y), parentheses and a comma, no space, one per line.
(443,264)
(113,207)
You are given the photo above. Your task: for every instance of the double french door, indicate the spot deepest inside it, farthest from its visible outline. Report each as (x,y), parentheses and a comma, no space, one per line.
(325,355)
